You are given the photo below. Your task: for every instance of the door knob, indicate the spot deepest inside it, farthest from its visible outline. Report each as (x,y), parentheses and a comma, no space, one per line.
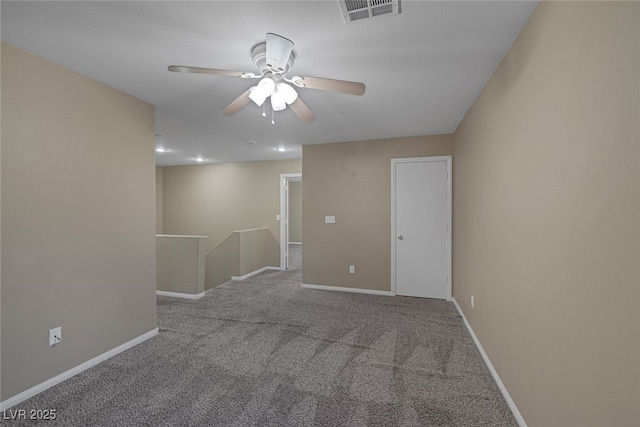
(400,237)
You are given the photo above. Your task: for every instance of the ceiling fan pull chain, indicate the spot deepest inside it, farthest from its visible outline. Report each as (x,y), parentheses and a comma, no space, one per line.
(264,110)
(273,117)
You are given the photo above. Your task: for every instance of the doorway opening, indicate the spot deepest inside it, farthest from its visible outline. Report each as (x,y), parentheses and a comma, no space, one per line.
(291,221)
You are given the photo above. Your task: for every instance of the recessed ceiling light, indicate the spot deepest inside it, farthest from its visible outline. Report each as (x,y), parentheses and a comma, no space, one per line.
(199,159)
(161,150)
(281,149)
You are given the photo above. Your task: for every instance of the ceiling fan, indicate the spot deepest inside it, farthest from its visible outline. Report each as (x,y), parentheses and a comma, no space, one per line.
(274,58)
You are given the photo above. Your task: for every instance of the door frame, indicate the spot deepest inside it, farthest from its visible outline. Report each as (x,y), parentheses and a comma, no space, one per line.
(394,162)
(284,215)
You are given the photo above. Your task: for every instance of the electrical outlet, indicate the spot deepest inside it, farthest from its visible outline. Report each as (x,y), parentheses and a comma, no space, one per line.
(329,219)
(55,335)
(473,303)
(352,269)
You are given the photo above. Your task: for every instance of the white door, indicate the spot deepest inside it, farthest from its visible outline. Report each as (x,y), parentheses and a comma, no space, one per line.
(421,217)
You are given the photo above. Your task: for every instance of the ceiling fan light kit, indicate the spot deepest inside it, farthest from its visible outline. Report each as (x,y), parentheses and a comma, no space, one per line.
(273,58)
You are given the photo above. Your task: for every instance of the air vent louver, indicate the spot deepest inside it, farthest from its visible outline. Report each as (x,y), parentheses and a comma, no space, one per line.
(356,10)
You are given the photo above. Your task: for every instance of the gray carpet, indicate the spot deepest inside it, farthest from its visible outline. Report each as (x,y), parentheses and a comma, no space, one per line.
(295,257)
(266,352)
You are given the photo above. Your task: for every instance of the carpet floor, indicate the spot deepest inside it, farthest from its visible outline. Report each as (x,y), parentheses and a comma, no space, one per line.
(266,352)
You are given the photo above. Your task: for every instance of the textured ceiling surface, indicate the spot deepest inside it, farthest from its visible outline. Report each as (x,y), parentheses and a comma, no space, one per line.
(423,67)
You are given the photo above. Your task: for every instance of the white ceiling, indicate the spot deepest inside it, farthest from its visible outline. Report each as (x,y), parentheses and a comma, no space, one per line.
(423,68)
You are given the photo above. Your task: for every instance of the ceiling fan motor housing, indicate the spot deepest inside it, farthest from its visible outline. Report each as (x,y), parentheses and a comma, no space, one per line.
(259,55)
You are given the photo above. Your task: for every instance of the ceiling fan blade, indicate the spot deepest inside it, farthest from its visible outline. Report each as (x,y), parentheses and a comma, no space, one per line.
(302,111)
(184,69)
(238,104)
(278,51)
(342,86)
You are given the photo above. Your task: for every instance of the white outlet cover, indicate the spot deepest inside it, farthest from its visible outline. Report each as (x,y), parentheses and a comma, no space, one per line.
(329,219)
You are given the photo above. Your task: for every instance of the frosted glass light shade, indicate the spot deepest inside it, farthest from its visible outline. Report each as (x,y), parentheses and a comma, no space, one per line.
(278,102)
(262,91)
(288,93)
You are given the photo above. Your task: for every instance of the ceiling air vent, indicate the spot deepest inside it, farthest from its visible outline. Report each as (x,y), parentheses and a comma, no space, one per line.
(356,10)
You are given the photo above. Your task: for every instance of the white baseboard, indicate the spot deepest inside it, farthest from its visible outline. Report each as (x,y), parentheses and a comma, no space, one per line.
(340,289)
(74,371)
(179,295)
(496,377)
(253,273)
(295,243)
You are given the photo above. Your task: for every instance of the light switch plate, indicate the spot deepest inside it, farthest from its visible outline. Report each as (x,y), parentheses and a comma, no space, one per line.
(329,219)
(55,335)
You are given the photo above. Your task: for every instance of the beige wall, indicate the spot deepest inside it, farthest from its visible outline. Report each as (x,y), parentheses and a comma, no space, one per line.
(240,253)
(180,262)
(215,200)
(222,261)
(546,216)
(258,248)
(159,176)
(295,211)
(352,181)
(78,245)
